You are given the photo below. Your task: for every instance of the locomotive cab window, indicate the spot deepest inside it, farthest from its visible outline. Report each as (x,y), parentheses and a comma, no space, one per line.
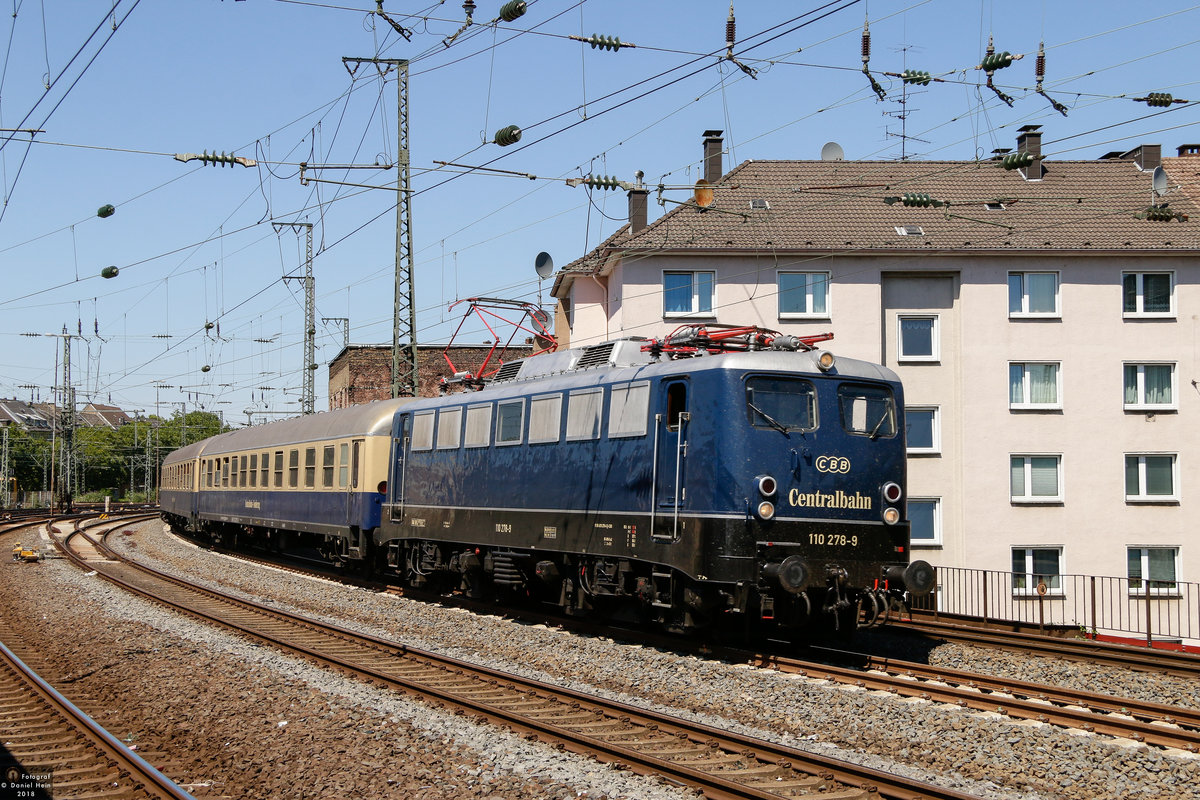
(786,404)
(867,410)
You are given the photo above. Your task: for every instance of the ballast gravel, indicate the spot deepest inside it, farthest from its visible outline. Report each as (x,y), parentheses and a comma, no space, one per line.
(978,753)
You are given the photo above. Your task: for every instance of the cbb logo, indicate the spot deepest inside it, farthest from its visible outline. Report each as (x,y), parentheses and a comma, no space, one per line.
(838,465)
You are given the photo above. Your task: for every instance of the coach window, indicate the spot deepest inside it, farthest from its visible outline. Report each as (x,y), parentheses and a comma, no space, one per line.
(310,467)
(327,467)
(343,464)
(867,410)
(545,418)
(225,471)
(479,426)
(785,404)
(278,469)
(293,469)
(449,432)
(265,466)
(510,419)
(245,465)
(253,469)
(584,410)
(676,404)
(422,436)
(628,408)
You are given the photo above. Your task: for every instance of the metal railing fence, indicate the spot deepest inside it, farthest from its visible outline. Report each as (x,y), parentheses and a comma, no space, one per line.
(1095,605)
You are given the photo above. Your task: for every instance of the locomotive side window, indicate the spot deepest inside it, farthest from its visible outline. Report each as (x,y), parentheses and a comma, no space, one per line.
(628,406)
(676,404)
(293,469)
(545,418)
(278,469)
(584,412)
(510,418)
(449,431)
(786,404)
(422,437)
(327,467)
(867,410)
(479,426)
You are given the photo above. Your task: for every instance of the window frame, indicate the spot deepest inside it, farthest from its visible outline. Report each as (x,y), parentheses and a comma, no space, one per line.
(934,335)
(1027,388)
(575,414)
(449,428)
(1144,588)
(809,295)
(310,467)
(500,405)
(1024,312)
(422,422)
(1031,590)
(1031,499)
(935,449)
(696,305)
(328,464)
(552,405)
(1140,295)
(1142,498)
(475,410)
(1140,404)
(936,541)
(640,391)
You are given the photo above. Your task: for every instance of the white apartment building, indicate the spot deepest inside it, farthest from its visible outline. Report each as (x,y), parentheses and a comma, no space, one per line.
(1047,337)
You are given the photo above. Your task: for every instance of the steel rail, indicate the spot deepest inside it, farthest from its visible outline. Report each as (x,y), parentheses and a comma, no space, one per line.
(723,764)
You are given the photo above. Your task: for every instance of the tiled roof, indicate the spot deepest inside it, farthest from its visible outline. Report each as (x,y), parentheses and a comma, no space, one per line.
(839,206)
(591,262)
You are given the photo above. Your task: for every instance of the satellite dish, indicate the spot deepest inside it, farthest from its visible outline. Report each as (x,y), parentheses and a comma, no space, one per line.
(832,151)
(543,265)
(703,193)
(1159,181)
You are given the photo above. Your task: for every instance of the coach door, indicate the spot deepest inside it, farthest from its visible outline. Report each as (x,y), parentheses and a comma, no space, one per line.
(351,482)
(670,458)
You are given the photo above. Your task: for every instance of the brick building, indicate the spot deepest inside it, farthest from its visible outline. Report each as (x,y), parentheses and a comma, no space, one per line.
(362,373)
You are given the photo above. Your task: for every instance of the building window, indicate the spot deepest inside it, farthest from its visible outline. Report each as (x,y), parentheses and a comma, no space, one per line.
(925,518)
(918,338)
(1033,566)
(1033,385)
(1149,386)
(1150,478)
(688,293)
(1035,479)
(803,294)
(1033,294)
(1156,566)
(923,429)
(1148,294)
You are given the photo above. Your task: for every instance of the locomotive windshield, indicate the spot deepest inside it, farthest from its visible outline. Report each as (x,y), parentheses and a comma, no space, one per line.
(867,410)
(781,403)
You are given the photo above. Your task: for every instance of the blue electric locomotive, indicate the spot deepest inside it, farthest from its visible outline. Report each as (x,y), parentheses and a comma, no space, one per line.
(758,482)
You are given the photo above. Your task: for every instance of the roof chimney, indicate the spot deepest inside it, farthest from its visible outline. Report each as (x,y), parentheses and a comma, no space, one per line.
(637,208)
(1147,156)
(1192,150)
(1029,140)
(712,156)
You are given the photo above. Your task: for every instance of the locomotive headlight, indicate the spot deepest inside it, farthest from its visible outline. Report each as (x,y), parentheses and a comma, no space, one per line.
(891,515)
(825,361)
(766,510)
(767,486)
(892,492)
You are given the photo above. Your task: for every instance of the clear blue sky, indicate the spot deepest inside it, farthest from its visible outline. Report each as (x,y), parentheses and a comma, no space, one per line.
(265,79)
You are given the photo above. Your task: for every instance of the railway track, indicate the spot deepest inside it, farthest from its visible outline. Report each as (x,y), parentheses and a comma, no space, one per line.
(52,749)
(1156,724)
(717,763)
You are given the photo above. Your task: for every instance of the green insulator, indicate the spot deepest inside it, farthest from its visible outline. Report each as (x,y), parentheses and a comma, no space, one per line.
(603,181)
(997,60)
(105,211)
(921,200)
(916,76)
(1016,160)
(507,135)
(605,42)
(109,272)
(205,368)
(512,10)
(1159,99)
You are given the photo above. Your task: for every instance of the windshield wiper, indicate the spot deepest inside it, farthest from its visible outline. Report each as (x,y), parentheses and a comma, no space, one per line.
(875,430)
(773,422)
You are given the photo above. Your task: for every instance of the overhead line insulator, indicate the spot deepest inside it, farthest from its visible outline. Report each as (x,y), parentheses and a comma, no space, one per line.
(916,76)
(512,10)
(1159,99)
(607,182)
(1160,214)
(603,42)
(213,159)
(1018,160)
(510,134)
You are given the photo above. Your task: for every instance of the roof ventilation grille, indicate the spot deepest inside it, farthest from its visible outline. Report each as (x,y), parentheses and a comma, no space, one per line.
(595,355)
(509,371)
